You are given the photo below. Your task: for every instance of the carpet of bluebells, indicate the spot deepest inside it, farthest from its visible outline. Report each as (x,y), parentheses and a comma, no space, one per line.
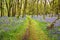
(55,32)
(9,26)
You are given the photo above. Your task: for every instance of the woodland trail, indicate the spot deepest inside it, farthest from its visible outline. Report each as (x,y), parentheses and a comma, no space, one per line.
(27,33)
(33,32)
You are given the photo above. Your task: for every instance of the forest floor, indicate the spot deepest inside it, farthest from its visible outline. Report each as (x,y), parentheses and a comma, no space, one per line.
(24,29)
(34,31)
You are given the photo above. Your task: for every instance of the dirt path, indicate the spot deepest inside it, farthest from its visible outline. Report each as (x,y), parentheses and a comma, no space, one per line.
(27,33)
(30,33)
(33,32)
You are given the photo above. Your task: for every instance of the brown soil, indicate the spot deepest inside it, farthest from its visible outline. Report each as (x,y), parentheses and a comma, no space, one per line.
(27,33)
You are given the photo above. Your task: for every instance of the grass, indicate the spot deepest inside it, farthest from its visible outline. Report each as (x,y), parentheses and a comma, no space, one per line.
(45,33)
(38,30)
(15,33)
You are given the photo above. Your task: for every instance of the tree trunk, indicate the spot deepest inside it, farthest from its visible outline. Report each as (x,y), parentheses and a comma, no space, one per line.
(24,11)
(8,5)
(19,5)
(13,8)
(37,7)
(44,10)
(33,9)
(1,9)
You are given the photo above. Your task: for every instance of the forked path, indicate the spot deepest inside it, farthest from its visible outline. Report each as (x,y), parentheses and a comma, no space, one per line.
(33,32)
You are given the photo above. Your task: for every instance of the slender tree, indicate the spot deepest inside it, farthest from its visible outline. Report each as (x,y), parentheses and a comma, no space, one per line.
(13,8)
(33,7)
(1,8)
(53,7)
(24,11)
(37,7)
(44,9)
(58,8)
(9,6)
(19,7)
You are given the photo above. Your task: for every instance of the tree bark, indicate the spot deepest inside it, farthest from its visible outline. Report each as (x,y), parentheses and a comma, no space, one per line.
(9,6)
(24,11)
(37,7)
(1,8)
(13,8)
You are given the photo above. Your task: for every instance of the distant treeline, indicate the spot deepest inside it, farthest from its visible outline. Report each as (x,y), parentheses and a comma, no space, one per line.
(29,7)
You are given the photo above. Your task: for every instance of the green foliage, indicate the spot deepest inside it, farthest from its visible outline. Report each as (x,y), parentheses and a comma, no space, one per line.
(29,7)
